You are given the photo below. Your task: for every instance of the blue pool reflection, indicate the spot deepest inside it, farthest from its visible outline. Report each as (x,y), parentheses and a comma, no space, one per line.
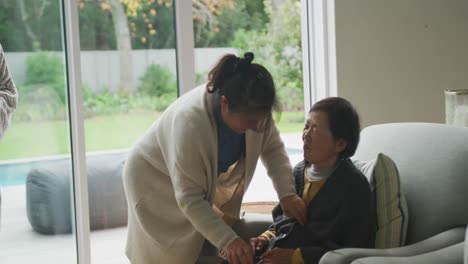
(15,173)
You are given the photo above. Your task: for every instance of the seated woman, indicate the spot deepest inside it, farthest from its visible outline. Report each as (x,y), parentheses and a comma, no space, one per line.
(337,195)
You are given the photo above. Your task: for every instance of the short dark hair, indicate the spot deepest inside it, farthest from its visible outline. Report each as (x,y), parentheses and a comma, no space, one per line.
(248,86)
(343,121)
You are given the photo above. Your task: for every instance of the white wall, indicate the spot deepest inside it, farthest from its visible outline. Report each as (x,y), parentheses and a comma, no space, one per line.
(396,57)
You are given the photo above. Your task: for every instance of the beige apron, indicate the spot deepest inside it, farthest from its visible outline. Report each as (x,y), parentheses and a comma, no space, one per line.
(230,189)
(227,201)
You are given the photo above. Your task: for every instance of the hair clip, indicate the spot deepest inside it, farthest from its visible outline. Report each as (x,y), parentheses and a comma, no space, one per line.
(248,57)
(242,64)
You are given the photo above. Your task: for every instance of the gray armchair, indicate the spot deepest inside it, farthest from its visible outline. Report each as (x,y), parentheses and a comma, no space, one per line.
(432,160)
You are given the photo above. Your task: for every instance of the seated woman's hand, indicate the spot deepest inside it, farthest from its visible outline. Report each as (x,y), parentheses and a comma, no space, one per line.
(239,252)
(295,208)
(258,243)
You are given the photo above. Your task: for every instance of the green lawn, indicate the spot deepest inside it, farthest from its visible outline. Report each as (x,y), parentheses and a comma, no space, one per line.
(34,139)
(291,122)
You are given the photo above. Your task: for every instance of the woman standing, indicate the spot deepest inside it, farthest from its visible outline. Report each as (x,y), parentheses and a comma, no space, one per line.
(185,178)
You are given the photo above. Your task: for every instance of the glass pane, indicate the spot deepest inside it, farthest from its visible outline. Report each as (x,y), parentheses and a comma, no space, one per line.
(128,63)
(35,169)
(272,31)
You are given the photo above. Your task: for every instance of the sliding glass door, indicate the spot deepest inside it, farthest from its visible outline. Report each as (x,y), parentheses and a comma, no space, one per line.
(36,183)
(129,77)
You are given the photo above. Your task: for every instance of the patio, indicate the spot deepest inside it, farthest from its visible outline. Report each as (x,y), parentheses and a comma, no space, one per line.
(19,243)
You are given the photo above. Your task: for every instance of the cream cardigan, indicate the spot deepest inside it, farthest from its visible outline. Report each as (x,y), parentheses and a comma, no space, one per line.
(170,179)
(8,95)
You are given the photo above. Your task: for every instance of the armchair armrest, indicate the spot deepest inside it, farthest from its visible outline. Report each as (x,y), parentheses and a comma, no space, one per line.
(439,241)
(449,255)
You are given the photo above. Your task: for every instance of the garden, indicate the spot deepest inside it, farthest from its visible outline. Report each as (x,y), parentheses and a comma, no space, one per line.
(116,118)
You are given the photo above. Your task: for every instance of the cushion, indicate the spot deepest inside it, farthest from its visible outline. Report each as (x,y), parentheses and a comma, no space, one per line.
(49,194)
(390,204)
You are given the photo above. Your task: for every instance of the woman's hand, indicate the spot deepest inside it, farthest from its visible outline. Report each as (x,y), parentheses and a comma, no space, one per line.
(278,256)
(239,252)
(294,207)
(258,243)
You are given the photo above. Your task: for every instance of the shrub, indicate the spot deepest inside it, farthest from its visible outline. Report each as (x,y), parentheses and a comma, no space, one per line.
(157,81)
(107,103)
(141,103)
(164,101)
(46,70)
(37,103)
(104,103)
(201,78)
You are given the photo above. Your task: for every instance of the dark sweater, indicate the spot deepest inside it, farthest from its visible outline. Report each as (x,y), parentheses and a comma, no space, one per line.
(339,215)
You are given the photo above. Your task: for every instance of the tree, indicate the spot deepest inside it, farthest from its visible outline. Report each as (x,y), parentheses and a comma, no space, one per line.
(31,25)
(203,10)
(26,18)
(40,24)
(124,47)
(275,4)
(228,20)
(122,34)
(279,49)
(96,28)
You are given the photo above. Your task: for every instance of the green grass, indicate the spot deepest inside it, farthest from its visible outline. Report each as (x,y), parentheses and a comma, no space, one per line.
(290,122)
(35,139)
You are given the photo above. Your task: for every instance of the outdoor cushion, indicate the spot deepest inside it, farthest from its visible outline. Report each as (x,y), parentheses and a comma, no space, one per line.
(48,194)
(389,200)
